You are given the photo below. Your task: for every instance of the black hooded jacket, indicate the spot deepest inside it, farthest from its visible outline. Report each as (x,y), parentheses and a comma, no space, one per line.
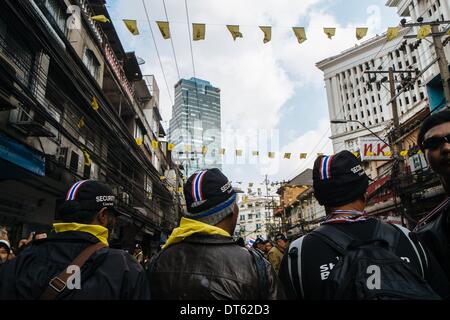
(107,275)
(211,267)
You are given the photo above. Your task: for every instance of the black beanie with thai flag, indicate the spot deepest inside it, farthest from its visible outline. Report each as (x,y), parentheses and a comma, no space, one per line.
(339,179)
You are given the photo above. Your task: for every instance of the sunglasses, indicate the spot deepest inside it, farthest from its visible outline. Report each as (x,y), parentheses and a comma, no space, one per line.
(435,142)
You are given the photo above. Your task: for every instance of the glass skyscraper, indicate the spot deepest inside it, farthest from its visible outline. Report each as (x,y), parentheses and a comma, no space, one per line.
(195,128)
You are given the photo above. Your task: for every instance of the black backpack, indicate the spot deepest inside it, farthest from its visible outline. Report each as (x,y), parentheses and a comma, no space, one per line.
(370,270)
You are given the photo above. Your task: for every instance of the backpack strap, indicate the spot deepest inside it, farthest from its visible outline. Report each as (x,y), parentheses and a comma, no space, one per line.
(59,283)
(295,266)
(334,237)
(261,269)
(417,250)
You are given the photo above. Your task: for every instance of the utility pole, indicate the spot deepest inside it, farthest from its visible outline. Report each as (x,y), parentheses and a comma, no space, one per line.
(395,142)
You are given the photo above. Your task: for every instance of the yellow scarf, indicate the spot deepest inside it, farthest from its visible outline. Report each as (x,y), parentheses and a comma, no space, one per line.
(189,227)
(101,233)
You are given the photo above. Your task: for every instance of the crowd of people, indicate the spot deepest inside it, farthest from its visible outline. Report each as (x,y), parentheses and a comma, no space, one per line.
(351,256)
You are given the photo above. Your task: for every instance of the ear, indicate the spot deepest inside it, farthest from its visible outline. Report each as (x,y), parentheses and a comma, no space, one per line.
(102,217)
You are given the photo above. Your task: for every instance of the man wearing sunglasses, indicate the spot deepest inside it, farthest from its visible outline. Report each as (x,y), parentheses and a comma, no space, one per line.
(433,229)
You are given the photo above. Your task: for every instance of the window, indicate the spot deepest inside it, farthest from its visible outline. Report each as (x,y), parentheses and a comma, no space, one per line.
(414,59)
(414,99)
(56,13)
(362,114)
(74,159)
(406,100)
(381,109)
(250,216)
(242,217)
(422,96)
(374,110)
(373,99)
(91,62)
(400,65)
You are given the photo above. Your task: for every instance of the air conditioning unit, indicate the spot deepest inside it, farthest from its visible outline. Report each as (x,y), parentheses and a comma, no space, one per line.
(61,155)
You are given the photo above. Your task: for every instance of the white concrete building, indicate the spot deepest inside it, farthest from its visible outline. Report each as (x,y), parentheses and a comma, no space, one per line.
(352,97)
(253,218)
(429,10)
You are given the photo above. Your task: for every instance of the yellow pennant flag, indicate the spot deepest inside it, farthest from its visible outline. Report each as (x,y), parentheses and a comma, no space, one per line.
(87,159)
(267,33)
(300,34)
(238,153)
(404,153)
(131,26)
(287,155)
(170,146)
(356,154)
(303,155)
(424,31)
(387,153)
(448,32)
(222,151)
(170,189)
(162,178)
(370,153)
(255,153)
(164,28)
(155,144)
(187,148)
(81,123)
(180,189)
(204,150)
(100,18)
(138,141)
(234,30)
(392,33)
(198,31)
(419,152)
(245,200)
(319,154)
(361,33)
(94,104)
(330,32)
(271,155)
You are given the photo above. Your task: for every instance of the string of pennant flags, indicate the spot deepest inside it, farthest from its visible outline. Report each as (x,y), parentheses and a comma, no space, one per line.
(199,30)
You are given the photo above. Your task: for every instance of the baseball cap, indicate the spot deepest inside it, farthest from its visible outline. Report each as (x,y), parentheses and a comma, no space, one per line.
(339,179)
(280,236)
(209,196)
(5,244)
(88,196)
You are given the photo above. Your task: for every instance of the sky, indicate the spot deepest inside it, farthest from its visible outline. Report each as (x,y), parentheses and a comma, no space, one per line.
(273,97)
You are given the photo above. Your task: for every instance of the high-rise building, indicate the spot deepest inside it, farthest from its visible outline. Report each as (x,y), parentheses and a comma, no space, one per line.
(195,128)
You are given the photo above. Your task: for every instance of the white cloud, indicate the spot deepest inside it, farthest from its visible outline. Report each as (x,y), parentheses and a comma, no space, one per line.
(256,79)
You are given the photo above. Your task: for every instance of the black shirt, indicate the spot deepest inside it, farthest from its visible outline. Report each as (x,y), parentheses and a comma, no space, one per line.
(318,258)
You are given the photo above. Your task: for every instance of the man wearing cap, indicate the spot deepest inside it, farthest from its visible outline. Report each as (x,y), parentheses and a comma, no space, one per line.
(200,259)
(74,261)
(340,184)
(5,251)
(275,255)
(434,228)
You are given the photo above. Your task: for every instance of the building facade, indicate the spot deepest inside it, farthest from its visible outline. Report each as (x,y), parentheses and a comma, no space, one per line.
(255,219)
(74,105)
(428,10)
(195,126)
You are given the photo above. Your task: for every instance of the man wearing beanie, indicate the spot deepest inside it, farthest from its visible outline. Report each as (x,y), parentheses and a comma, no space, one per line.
(74,262)
(340,185)
(200,259)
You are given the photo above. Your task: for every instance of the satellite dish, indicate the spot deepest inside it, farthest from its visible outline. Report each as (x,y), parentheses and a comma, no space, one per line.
(140,60)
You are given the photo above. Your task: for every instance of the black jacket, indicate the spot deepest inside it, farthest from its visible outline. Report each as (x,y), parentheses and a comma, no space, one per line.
(435,234)
(107,274)
(210,267)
